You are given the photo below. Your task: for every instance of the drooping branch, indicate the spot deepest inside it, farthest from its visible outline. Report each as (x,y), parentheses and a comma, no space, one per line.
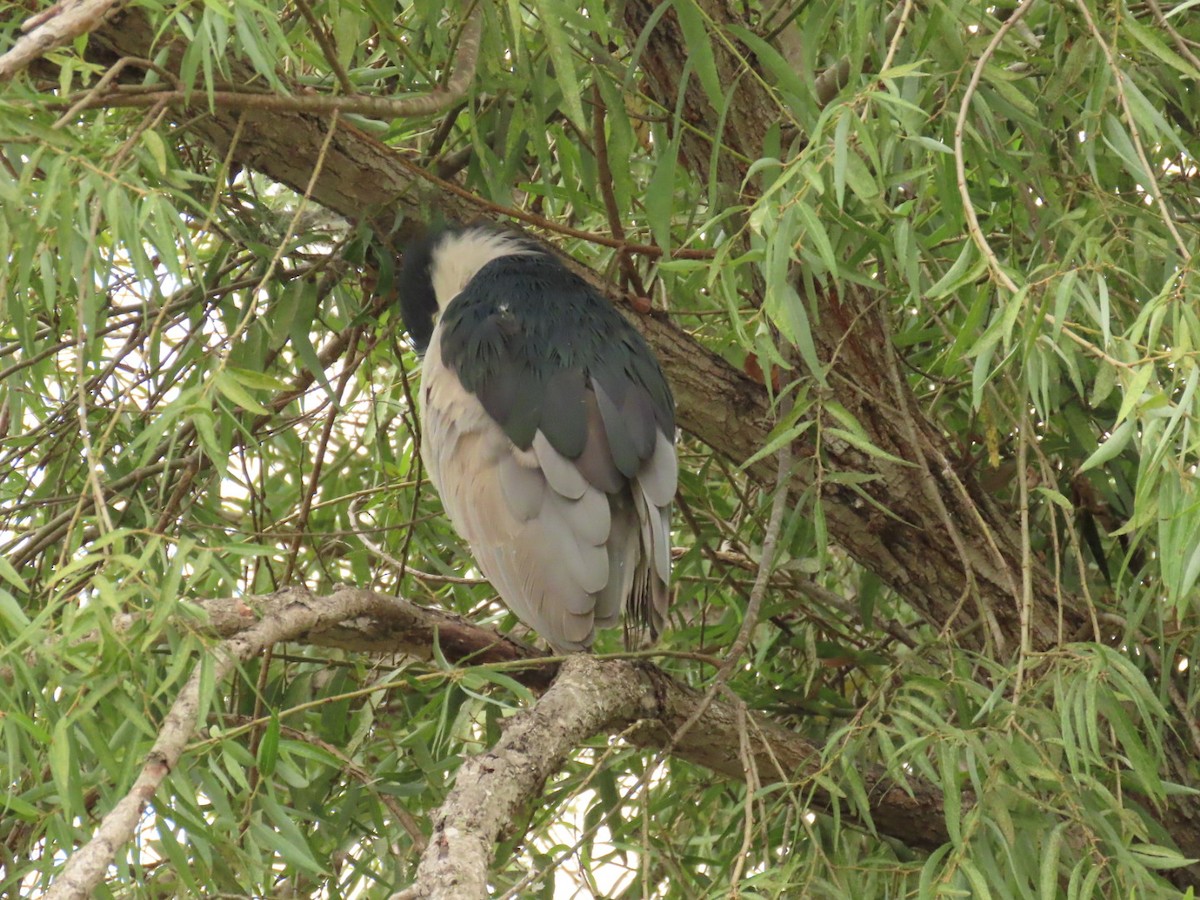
(289,615)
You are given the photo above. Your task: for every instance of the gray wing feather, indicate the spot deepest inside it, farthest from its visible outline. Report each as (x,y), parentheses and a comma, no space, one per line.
(589,517)
(623,547)
(660,526)
(659,477)
(585,560)
(620,442)
(523,488)
(654,567)
(596,462)
(567,543)
(544,550)
(655,485)
(562,474)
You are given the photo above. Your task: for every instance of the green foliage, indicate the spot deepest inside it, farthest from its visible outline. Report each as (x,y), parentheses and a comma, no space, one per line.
(202,396)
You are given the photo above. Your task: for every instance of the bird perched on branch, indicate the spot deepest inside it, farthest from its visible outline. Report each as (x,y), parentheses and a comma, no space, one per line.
(548,429)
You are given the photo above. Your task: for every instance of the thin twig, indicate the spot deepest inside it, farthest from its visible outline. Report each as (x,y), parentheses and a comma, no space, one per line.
(1180,44)
(897,33)
(403,567)
(766,566)
(293,223)
(319,454)
(833,79)
(766,563)
(414,425)
(921,450)
(1134,134)
(327,48)
(629,273)
(750,773)
(1025,601)
(542,222)
(101,87)
(960,164)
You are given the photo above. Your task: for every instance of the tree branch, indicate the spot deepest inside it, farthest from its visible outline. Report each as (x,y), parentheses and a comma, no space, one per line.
(290,614)
(592,696)
(82,16)
(490,789)
(58,25)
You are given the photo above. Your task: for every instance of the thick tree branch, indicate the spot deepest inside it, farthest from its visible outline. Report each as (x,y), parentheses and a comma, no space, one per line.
(387,626)
(80,17)
(380,107)
(592,696)
(490,789)
(392,625)
(615,694)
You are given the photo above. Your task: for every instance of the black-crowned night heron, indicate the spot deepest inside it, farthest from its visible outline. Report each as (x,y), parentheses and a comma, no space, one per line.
(548,430)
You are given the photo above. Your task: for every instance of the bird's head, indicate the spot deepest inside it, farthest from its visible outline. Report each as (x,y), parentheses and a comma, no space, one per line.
(437,267)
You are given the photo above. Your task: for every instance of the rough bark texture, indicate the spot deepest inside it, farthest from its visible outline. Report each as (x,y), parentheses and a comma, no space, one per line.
(53,28)
(491,789)
(589,697)
(911,814)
